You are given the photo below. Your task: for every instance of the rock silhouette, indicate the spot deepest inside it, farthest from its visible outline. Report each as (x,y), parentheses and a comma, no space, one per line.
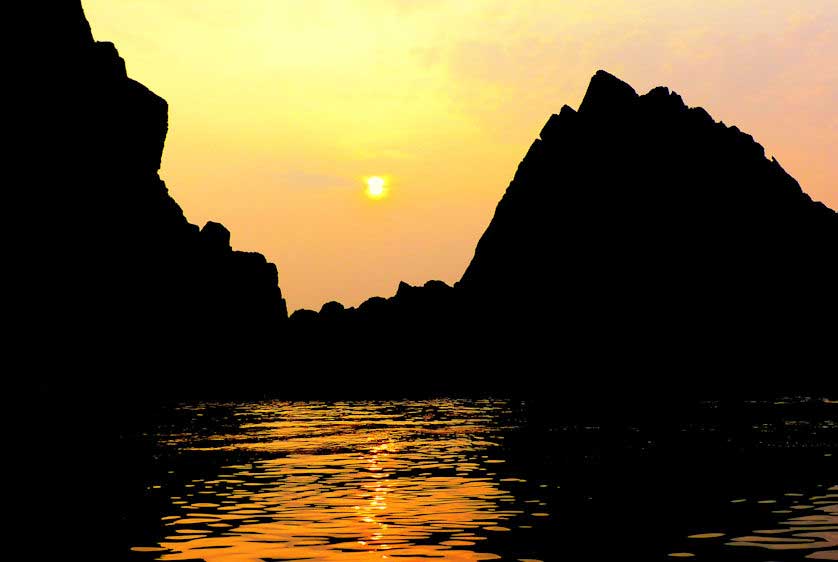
(641,251)
(641,246)
(637,236)
(120,279)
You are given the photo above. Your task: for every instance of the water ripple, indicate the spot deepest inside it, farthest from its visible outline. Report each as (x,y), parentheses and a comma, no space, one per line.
(433,479)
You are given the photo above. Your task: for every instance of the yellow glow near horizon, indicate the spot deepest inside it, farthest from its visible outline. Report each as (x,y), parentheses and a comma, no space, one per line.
(375,187)
(277,107)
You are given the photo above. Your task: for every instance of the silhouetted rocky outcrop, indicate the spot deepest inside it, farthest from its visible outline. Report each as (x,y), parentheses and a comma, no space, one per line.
(640,246)
(114,299)
(117,279)
(640,249)
(633,191)
(661,235)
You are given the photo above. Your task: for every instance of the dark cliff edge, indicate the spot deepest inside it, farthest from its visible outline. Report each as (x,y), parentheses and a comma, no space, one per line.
(121,292)
(641,249)
(116,301)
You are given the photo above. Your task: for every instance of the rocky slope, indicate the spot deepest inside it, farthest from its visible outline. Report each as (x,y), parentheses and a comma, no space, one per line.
(642,186)
(638,235)
(640,244)
(120,280)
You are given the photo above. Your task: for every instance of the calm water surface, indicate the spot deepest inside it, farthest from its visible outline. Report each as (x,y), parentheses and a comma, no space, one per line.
(465,480)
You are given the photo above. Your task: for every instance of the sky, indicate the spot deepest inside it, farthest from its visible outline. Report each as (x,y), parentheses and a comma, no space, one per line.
(279,111)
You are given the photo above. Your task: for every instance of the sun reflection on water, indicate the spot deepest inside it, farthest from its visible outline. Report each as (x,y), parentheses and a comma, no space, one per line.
(345,483)
(408,481)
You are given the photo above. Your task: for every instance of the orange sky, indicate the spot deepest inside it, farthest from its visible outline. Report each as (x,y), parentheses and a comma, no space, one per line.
(280,109)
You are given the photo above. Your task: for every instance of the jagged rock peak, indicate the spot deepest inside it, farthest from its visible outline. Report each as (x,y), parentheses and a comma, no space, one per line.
(78,35)
(332,309)
(631,179)
(216,235)
(606,93)
(105,214)
(556,122)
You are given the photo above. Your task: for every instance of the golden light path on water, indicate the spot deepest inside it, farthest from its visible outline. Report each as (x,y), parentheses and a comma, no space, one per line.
(406,481)
(348,483)
(817,531)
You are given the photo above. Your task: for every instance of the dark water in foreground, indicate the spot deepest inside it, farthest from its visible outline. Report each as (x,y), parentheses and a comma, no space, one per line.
(465,480)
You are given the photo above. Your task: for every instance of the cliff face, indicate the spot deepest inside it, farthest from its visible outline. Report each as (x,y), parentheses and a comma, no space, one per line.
(128,278)
(640,245)
(644,232)
(636,234)
(642,192)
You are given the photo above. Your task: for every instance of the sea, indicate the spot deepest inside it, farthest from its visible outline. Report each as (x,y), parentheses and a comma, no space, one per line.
(463,480)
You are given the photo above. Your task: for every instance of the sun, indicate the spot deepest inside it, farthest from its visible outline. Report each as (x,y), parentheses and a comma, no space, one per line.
(375,187)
